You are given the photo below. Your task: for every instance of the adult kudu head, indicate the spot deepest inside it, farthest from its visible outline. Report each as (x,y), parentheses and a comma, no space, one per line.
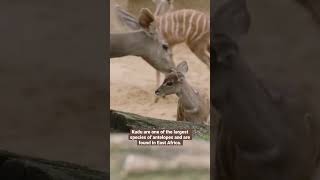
(157,53)
(144,42)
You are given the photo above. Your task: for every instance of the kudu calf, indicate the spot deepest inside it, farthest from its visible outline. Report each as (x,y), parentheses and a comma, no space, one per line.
(257,137)
(192,105)
(145,42)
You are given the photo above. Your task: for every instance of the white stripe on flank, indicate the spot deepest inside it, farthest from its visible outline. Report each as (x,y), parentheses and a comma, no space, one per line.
(172,24)
(200,36)
(177,23)
(197,27)
(204,31)
(204,23)
(190,23)
(184,23)
(166,24)
(207,53)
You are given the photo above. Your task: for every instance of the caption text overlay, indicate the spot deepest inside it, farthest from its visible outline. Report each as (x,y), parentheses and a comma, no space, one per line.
(162,137)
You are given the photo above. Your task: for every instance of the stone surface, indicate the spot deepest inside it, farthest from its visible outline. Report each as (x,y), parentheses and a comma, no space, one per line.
(123,122)
(19,167)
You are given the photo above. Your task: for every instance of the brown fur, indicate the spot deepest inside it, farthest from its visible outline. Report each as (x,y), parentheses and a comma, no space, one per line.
(145,18)
(192,105)
(200,116)
(190,26)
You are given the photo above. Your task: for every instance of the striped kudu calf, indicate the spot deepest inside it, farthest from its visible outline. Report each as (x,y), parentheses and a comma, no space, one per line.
(190,26)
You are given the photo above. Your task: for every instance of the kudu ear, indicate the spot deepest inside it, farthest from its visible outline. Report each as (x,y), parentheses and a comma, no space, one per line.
(128,19)
(232,18)
(146,18)
(183,67)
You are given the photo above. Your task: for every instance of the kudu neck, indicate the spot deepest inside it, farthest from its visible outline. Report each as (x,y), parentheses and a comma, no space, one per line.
(188,96)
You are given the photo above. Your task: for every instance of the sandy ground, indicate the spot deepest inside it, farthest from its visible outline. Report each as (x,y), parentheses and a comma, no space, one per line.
(133,82)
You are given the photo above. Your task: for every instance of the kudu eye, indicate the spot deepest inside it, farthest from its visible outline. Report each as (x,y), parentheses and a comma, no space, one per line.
(165,47)
(169,84)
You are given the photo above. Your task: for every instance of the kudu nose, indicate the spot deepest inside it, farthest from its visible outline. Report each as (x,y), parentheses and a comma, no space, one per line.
(157,92)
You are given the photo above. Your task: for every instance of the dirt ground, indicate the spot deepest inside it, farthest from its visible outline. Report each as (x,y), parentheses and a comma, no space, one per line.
(132,85)
(133,82)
